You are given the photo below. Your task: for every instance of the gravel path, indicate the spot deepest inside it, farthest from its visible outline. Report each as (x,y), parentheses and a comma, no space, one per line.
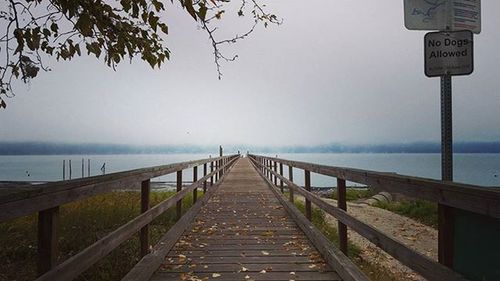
(415,235)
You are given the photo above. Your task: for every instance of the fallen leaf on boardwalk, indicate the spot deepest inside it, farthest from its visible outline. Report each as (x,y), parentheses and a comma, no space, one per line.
(292,272)
(205,266)
(263,271)
(265,253)
(215,275)
(247,277)
(244,269)
(182,258)
(312,266)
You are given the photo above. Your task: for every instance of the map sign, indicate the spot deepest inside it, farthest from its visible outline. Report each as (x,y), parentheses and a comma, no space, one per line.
(443,15)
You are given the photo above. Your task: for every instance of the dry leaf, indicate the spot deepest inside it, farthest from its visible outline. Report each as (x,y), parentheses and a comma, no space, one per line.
(215,275)
(263,271)
(244,269)
(265,253)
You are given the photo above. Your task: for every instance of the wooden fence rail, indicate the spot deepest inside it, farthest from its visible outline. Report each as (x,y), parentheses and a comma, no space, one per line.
(456,195)
(46,199)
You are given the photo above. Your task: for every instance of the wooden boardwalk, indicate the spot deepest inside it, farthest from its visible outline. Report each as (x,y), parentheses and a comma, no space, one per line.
(244,233)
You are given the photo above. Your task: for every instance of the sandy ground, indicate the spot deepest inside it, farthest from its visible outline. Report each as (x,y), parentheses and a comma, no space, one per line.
(415,235)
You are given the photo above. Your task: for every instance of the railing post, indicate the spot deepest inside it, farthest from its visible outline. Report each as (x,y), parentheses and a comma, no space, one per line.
(195,179)
(47,239)
(179,188)
(204,175)
(217,173)
(281,181)
(342,204)
(269,174)
(307,181)
(144,236)
(275,171)
(290,177)
(211,171)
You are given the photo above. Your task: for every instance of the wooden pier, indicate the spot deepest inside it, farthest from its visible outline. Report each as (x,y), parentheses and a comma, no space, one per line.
(244,233)
(243,227)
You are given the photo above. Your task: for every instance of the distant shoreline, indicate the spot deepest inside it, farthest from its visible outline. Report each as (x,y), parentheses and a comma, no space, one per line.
(47,148)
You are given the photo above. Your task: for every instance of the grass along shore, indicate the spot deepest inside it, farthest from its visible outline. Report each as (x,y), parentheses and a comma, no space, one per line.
(81,224)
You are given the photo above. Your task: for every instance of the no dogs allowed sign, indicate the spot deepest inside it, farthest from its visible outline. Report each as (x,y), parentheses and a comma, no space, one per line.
(448,53)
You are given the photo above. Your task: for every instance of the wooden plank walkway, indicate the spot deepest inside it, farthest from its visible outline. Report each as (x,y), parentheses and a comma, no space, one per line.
(243,233)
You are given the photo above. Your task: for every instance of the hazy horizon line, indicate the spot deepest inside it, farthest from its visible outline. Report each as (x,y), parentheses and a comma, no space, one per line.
(55,148)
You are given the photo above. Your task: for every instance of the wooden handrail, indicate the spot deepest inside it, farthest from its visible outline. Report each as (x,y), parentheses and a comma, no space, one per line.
(473,198)
(78,263)
(428,268)
(53,194)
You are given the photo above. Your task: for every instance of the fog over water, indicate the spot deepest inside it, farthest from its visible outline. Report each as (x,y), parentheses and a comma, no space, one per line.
(334,72)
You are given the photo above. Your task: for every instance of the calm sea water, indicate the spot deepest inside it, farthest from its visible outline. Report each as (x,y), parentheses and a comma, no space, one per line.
(479,169)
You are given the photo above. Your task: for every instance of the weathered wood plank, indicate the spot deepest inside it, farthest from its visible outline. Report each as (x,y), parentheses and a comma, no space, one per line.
(144,234)
(271,276)
(47,239)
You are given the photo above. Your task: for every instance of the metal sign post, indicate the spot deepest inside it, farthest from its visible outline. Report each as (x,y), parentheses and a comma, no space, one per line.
(445,214)
(446,130)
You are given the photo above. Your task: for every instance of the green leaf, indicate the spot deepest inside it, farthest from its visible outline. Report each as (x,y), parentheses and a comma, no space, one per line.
(85,25)
(158,5)
(164,28)
(202,12)
(46,32)
(153,20)
(126,5)
(190,9)
(54,27)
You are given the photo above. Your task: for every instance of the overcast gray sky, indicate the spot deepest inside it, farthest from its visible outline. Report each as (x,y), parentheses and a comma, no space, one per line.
(334,72)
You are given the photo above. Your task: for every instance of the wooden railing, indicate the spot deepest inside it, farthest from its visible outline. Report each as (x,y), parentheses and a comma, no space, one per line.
(460,196)
(46,199)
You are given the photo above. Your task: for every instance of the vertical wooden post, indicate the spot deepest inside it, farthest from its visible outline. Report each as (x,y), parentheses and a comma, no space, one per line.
(217,173)
(144,235)
(290,177)
(211,171)
(281,181)
(195,179)
(179,188)
(83,168)
(204,175)
(47,239)
(270,166)
(307,181)
(64,169)
(70,169)
(220,162)
(275,171)
(88,167)
(342,204)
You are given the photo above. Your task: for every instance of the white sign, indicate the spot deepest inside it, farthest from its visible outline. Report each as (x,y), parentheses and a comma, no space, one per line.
(448,53)
(443,15)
